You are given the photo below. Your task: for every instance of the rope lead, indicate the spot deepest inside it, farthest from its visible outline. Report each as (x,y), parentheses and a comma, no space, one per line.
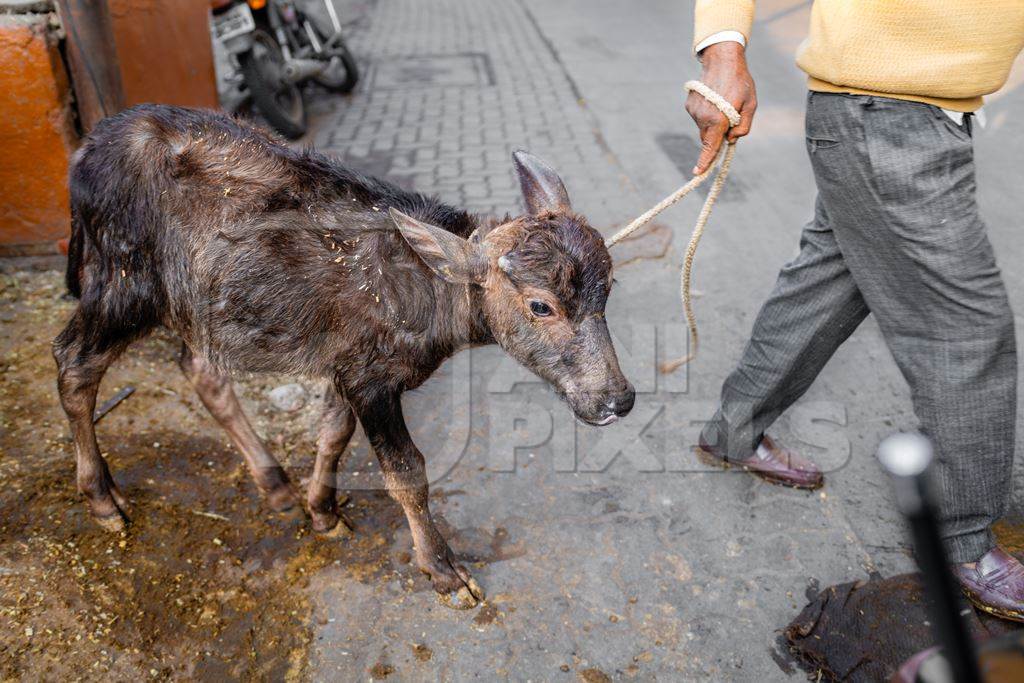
(723,162)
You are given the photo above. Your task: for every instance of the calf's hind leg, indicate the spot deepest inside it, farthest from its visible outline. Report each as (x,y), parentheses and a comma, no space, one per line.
(216,393)
(337,422)
(79,371)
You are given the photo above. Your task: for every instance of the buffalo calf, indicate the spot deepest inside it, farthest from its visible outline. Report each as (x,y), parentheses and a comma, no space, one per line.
(262,258)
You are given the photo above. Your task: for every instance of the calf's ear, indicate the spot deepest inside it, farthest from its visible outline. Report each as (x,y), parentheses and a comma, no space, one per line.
(542,189)
(449,256)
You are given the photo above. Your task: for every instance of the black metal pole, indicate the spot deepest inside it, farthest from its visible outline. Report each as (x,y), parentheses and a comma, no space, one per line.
(907,458)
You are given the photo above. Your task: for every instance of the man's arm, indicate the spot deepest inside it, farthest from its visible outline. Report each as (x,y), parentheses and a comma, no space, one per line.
(725,71)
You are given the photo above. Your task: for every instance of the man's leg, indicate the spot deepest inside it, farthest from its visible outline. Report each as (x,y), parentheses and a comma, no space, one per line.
(899,185)
(814,308)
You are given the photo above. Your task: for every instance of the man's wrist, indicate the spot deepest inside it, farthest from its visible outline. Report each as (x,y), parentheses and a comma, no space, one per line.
(726,54)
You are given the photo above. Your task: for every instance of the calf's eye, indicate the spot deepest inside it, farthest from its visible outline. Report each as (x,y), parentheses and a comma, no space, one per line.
(540,309)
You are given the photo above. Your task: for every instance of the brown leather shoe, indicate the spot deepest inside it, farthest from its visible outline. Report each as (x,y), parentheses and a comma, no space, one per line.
(994,584)
(771,463)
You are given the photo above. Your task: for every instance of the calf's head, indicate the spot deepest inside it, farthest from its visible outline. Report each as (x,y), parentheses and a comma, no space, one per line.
(544,277)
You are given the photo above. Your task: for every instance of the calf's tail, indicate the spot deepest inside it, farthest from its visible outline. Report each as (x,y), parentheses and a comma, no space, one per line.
(76,247)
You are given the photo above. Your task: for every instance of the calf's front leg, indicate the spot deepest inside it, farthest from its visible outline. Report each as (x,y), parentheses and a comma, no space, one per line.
(405,479)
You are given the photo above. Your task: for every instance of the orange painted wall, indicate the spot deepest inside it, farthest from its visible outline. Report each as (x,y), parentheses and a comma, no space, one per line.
(36,136)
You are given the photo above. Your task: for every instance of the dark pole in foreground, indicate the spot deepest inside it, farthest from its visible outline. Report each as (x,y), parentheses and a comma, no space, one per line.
(907,458)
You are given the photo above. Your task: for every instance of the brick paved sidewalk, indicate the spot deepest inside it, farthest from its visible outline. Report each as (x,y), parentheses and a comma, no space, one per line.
(450,89)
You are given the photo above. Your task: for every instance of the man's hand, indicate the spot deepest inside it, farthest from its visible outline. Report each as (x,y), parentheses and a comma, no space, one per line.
(725,72)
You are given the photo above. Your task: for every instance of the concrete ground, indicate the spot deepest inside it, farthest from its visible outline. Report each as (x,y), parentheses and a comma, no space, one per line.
(620,554)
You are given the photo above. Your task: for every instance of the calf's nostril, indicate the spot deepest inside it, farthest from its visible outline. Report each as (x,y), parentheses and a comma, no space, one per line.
(624,403)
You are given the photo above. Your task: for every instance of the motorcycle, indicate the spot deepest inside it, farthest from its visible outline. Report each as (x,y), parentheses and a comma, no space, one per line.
(279,46)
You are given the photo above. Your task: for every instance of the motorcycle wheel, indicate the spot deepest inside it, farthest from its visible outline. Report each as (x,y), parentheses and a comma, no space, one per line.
(342,74)
(279,101)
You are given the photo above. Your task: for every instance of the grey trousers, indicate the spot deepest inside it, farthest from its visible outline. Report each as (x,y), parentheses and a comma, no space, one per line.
(896,233)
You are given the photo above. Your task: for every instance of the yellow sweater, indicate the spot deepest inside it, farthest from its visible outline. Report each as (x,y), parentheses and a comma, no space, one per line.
(944,52)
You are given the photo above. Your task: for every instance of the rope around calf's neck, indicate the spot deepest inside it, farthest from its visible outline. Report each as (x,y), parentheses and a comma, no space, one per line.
(733,116)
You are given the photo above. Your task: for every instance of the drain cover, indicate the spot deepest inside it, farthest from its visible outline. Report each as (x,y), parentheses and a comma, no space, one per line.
(469,69)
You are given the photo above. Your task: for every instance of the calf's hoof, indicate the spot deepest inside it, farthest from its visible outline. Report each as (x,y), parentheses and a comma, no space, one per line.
(467,597)
(330,524)
(114,523)
(110,510)
(326,519)
(456,588)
